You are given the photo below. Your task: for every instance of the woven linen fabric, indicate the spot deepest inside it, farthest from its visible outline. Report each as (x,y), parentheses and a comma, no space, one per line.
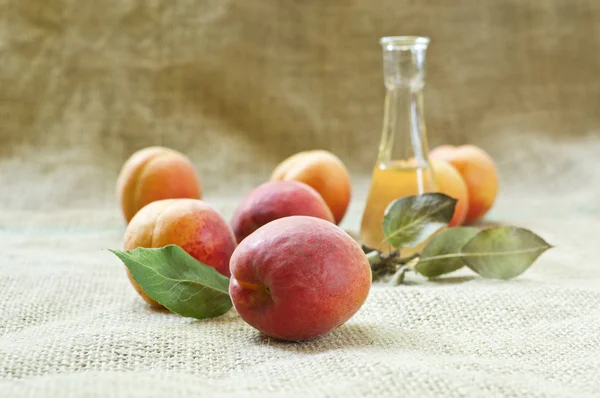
(238,85)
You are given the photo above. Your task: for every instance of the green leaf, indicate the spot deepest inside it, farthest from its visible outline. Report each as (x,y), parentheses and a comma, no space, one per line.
(503,252)
(178,281)
(410,220)
(448,241)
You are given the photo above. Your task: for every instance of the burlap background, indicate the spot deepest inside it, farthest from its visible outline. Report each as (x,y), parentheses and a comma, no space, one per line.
(240,84)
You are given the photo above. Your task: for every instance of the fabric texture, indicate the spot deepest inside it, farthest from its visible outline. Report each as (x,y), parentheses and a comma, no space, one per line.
(238,85)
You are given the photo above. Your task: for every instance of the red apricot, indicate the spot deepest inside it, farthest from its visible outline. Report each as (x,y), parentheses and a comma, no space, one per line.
(277,199)
(298,277)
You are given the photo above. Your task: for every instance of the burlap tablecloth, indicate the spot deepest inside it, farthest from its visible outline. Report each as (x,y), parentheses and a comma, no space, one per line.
(240,84)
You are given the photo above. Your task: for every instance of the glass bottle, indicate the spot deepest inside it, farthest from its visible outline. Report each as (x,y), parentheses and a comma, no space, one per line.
(402,167)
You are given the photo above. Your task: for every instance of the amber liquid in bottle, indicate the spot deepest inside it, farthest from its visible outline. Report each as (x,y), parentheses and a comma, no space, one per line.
(391,182)
(402,168)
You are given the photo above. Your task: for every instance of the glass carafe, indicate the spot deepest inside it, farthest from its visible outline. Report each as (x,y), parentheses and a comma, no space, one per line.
(402,167)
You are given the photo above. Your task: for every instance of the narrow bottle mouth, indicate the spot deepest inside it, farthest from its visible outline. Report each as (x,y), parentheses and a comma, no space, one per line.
(404,42)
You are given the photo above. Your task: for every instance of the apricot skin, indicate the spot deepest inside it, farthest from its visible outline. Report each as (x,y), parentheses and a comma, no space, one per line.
(323,171)
(152,174)
(298,278)
(189,223)
(478,171)
(450,182)
(277,199)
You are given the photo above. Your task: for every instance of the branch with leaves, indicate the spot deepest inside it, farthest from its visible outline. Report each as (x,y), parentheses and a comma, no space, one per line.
(503,252)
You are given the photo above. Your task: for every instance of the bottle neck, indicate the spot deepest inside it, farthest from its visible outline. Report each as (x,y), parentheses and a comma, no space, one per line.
(404,135)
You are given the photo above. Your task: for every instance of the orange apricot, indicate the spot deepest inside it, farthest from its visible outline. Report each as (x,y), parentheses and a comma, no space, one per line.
(478,171)
(324,172)
(155,173)
(191,224)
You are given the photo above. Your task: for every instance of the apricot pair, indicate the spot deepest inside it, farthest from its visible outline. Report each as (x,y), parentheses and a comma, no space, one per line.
(312,183)
(295,278)
(159,192)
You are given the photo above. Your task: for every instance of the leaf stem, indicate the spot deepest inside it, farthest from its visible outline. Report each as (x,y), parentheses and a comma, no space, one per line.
(484,254)
(407,259)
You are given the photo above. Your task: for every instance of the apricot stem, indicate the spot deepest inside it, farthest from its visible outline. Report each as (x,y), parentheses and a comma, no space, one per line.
(391,263)
(408,259)
(375,257)
(398,277)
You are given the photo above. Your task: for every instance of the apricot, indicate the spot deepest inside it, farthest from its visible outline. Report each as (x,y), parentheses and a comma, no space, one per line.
(277,199)
(478,171)
(298,277)
(449,182)
(323,171)
(155,173)
(191,224)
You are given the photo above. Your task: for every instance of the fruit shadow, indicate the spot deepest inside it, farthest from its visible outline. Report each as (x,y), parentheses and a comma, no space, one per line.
(456,280)
(482,224)
(352,335)
(414,279)
(451,280)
